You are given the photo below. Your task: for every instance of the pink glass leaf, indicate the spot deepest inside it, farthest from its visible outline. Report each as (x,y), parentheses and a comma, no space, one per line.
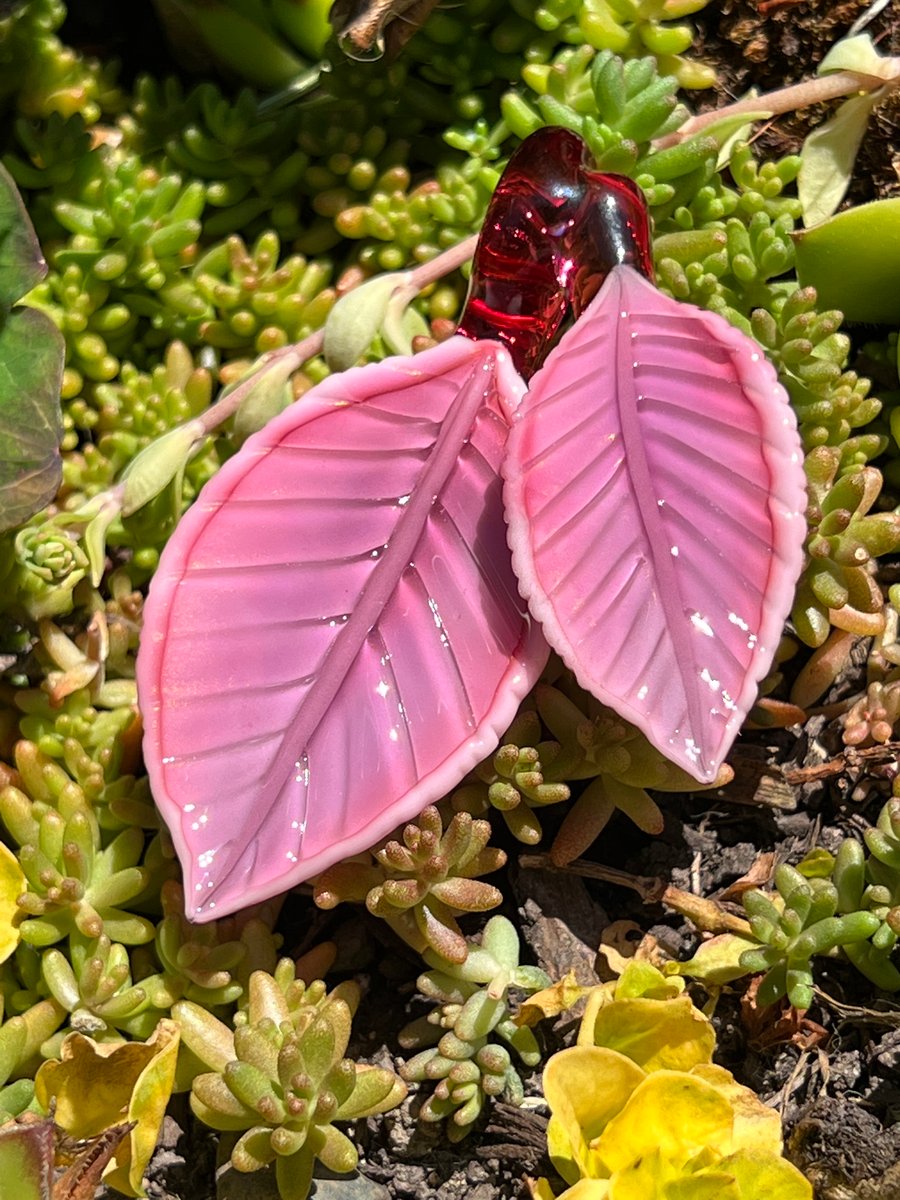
(335,635)
(655,499)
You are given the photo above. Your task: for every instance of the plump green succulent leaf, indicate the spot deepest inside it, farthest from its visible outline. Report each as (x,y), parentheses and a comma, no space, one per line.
(207,1037)
(376,1091)
(356,318)
(853,261)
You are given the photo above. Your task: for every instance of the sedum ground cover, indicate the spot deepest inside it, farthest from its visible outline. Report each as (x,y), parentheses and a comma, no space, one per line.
(192,221)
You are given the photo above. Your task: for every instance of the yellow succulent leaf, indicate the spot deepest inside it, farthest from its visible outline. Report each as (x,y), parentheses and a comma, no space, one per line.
(658,1035)
(713,1186)
(96,1086)
(540,1189)
(671,1112)
(551,1001)
(587,1189)
(757,1127)
(640,978)
(765,1177)
(643,1179)
(655,1178)
(717,960)
(12,885)
(585,1087)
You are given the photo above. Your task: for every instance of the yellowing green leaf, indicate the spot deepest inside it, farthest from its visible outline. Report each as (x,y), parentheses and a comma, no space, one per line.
(714,1186)
(551,1001)
(757,1128)
(764,1177)
(585,1087)
(644,1179)
(641,978)
(656,1034)
(858,53)
(97,1086)
(717,960)
(12,884)
(671,1112)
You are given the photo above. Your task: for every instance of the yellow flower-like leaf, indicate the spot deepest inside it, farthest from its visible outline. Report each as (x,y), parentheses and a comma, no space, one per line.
(757,1128)
(585,1086)
(641,978)
(656,1034)
(97,1086)
(764,1177)
(587,1189)
(672,1113)
(653,1177)
(12,885)
(712,1186)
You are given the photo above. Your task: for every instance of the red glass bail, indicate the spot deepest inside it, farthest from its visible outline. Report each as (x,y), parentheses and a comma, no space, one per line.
(553,231)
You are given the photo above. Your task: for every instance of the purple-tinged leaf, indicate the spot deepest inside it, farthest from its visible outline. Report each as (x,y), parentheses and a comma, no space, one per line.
(655,496)
(32,354)
(26,1156)
(335,635)
(21,263)
(31,364)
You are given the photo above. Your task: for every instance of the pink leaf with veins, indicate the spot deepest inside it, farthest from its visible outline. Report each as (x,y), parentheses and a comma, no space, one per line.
(656,497)
(335,635)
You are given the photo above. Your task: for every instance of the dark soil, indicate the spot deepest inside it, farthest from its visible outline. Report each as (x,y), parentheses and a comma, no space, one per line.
(836,1077)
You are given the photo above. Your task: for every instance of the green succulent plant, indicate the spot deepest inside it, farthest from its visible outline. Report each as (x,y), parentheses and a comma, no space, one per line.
(519,778)
(74,883)
(421,884)
(796,926)
(845,536)
(468,1064)
(597,745)
(282,1079)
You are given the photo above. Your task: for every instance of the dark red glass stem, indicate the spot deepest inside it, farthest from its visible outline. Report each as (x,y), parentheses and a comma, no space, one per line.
(553,231)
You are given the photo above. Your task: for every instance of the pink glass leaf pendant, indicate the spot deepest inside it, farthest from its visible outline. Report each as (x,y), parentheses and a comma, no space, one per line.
(655,497)
(334,635)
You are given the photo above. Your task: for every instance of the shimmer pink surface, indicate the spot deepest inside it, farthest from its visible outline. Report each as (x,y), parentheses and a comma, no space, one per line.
(335,635)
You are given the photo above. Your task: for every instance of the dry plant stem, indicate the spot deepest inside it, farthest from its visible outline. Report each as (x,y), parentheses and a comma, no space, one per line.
(873,756)
(788,99)
(649,888)
(298,353)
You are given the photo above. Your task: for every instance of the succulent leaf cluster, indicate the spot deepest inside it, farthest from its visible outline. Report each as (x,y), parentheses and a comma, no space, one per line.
(621,765)
(831,905)
(797,924)
(281,1078)
(419,885)
(469,1035)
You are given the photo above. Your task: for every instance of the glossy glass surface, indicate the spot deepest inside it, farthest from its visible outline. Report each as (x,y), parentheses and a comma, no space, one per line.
(553,232)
